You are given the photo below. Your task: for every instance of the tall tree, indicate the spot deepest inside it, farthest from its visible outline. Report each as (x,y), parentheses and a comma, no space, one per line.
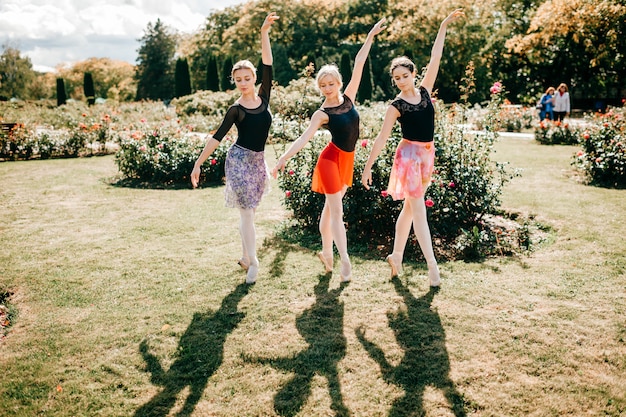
(212,76)
(155,63)
(90,92)
(16,74)
(583,47)
(283,71)
(225,79)
(61,93)
(365,88)
(345,66)
(182,78)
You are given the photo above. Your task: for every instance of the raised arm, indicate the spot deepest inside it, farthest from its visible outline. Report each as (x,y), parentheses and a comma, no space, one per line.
(435,56)
(391,116)
(266,49)
(361,57)
(317,120)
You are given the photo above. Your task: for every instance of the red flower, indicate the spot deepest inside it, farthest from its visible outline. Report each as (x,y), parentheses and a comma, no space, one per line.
(287,193)
(452,184)
(586,136)
(580,153)
(384,193)
(213,161)
(291,172)
(429,202)
(364,143)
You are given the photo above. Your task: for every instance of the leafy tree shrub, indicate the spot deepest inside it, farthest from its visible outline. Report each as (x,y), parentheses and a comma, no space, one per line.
(603,155)
(212,75)
(88,88)
(462,201)
(548,132)
(225,80)
(182,78)
(61,94)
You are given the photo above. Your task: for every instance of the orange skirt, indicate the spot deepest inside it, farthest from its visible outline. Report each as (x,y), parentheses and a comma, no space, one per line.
(333,171)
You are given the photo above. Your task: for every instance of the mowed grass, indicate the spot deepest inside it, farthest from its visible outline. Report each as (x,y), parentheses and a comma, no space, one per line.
(131,303)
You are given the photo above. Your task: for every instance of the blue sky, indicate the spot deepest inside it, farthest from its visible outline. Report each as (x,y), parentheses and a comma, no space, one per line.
(57,32)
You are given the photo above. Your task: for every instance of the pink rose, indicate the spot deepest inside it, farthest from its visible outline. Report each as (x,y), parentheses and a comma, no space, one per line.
(364,143)
(429,202)
(291,172)
(452,184)
(287,193)
(384,193)
(213,161)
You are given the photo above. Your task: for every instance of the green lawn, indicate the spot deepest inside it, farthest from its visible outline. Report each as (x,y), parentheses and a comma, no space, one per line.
(131,303)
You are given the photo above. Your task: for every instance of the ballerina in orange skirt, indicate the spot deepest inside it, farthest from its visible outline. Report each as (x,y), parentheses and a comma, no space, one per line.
(334,170)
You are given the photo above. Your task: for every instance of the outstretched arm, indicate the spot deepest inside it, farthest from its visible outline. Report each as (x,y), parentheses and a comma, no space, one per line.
(361,57)
(435,56)
(210,146)
(390,118)
(266,49)
(318,119)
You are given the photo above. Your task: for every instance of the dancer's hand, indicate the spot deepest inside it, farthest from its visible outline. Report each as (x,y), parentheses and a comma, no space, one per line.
(195,176)
(269,21)
(379,26)
(366,178)
(455,15)
(280,165)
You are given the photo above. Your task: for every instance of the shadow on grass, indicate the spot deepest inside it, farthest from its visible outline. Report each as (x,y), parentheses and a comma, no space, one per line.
(322,328)
(420,334)
(200,354)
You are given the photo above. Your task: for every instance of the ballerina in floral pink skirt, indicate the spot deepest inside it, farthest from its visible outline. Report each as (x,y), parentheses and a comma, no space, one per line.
(415,156)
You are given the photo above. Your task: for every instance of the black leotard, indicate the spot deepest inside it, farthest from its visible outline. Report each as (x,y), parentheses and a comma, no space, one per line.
(417,121)
(343,124)
(253,125)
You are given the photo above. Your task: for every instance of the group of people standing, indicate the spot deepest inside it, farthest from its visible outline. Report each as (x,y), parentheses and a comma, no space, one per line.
(554,104)
(247,176)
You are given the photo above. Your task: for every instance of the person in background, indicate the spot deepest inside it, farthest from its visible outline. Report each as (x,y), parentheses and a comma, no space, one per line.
(334,169)
(415,155)
(247,178)
(547,105)
(561,103)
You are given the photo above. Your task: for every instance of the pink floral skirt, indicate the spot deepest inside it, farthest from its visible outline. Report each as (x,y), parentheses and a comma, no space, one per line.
(412,168)
(247,177)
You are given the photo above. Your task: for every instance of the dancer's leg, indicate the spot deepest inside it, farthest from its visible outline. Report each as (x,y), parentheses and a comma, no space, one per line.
(422,232)
(403,228)
(248,240)
(334,203)
(326,232)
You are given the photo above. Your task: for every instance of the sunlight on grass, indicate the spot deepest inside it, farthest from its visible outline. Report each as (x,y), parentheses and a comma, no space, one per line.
(131,302)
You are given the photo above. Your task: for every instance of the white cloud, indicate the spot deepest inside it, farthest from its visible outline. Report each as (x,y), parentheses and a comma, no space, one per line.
(54,33)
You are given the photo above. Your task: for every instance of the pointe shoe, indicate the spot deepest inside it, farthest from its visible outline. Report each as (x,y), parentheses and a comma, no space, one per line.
(434,277)
(328,265)
(346,277)
(253,271)
(395,268)
(243,264)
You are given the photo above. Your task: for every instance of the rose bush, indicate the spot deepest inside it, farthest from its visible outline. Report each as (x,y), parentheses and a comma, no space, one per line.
(602,159)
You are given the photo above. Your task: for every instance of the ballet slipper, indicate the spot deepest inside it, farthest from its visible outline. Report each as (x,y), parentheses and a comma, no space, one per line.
(243,264)
(328,264)
(253,270)
(346,276)
(434,277)
(395,268)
